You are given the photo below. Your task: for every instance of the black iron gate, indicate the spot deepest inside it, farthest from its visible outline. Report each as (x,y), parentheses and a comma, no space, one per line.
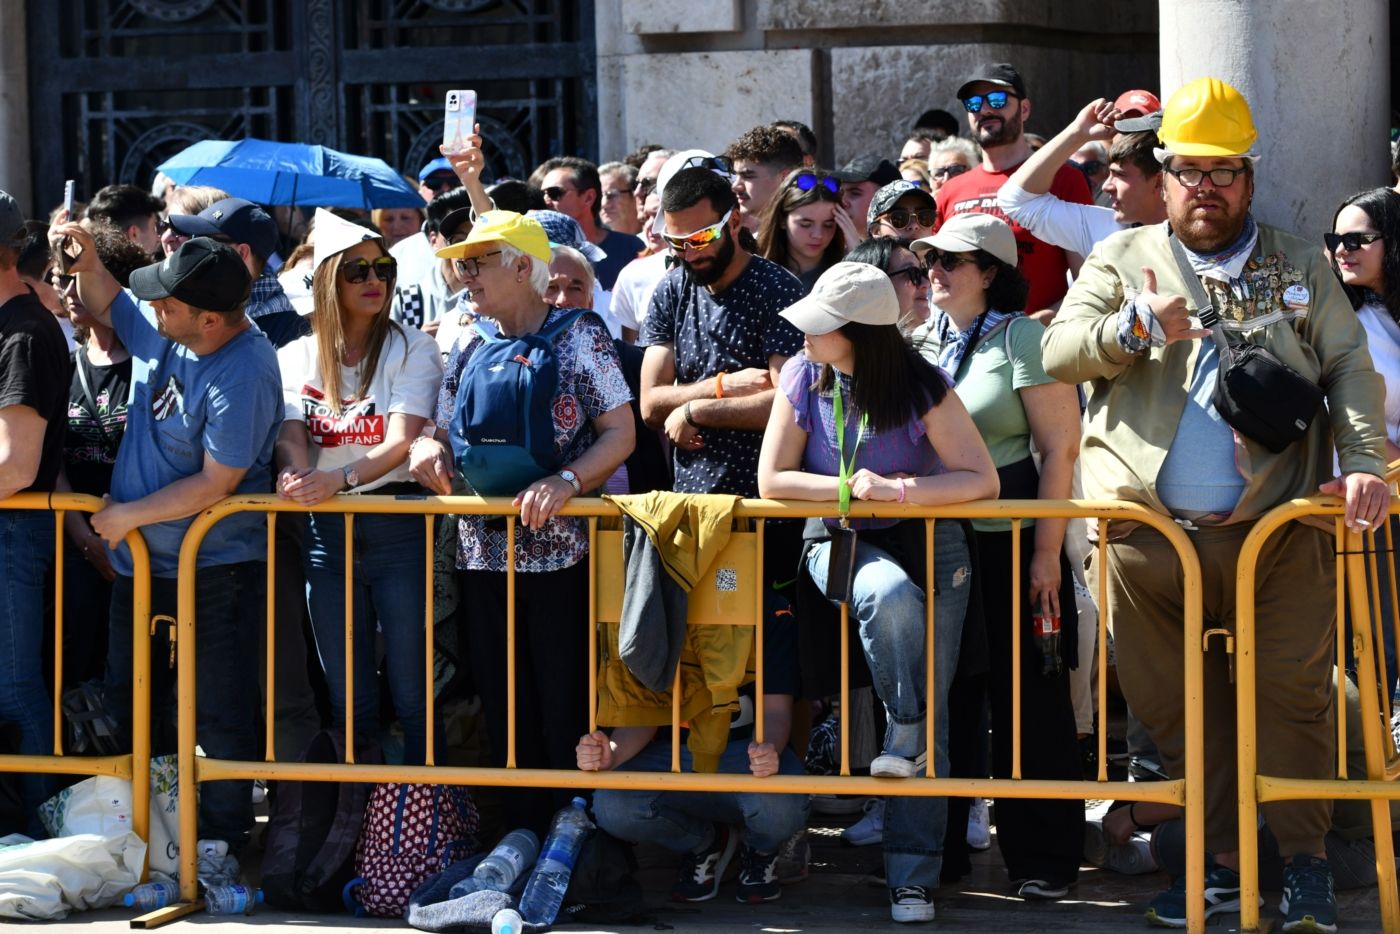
(118,86)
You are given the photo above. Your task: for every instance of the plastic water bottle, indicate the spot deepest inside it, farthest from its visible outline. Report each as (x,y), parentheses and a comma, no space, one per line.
(1046,629)
(465,887)
(514,855)
(507,921)
(231,899)
(152,895)
(545,891)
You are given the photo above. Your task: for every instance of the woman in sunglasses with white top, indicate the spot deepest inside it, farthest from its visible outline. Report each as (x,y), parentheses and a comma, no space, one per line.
(357,391)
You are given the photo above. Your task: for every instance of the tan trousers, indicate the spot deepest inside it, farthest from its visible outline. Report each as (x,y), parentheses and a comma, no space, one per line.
(1295,609)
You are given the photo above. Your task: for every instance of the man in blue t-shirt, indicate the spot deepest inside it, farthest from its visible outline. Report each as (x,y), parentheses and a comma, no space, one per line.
(205,409)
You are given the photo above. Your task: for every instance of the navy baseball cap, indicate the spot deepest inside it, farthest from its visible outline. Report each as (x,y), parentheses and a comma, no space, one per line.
(868,169)
(234,219)
(203,273)
(440,164)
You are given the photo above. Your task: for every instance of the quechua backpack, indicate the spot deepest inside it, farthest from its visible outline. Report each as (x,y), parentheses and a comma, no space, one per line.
(503,428)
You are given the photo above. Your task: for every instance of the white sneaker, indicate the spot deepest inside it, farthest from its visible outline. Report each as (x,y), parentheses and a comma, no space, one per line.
(886,765)
(870,828)
(215,866)
(979,825)
(911,903)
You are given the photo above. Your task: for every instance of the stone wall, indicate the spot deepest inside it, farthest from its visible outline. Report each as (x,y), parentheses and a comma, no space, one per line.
(680,72)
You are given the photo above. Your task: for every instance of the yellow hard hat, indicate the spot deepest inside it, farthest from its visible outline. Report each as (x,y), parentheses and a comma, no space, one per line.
(1207,117)
(523,233)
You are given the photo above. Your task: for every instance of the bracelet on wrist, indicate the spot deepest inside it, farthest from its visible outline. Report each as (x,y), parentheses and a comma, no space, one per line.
(1132,816)
(719,385)
(902,490)
(689,419)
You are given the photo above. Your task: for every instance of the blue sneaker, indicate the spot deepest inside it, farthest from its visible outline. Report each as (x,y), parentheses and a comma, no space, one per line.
(1309,903)
(1222,892)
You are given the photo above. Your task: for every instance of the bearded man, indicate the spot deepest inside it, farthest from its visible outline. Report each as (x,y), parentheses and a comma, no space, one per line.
(1131,328)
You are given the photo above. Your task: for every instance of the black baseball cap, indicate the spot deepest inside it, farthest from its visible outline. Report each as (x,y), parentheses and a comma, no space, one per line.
(1002,73)
(868,168)
(203,273)
(11,218)
(449,225)
(234,219)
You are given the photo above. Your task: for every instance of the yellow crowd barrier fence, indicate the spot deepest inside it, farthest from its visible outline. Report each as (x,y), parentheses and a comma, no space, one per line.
(742,606)
(1364,587)
(134,766)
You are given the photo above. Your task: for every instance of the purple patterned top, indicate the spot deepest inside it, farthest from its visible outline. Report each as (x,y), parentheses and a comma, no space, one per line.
(590,384)
(903,451)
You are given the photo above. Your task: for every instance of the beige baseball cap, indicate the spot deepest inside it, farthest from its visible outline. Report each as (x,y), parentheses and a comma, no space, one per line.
(845,293)
(963,233)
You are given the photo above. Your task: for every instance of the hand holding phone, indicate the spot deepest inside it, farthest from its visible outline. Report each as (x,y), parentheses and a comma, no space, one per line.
(458,121)
(68,189)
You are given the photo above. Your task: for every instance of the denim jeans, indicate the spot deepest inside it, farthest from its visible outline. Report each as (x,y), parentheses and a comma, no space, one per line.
(26,552)
(680,821)
(889,610)
(389,571)
(230,602)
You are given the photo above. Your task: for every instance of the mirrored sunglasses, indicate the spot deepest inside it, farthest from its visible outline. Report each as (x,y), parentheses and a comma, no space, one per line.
(699,239)
(806,181)
(996,100)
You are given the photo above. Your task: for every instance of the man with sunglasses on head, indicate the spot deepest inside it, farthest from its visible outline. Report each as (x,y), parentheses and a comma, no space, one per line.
(997,107)
(206,406)
(1134,184)
(902,210)
(1142,325)
(572,186)
(252,233)
(759,161)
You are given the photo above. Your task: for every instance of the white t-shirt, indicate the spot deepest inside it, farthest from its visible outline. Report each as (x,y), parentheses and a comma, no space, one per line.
(415,256)
(631,295)
(406,380)
(1383,340)
(1070,226)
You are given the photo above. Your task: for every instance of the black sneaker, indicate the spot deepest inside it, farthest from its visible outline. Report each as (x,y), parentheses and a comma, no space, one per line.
(758,876)
(911,904)
(1309,903)
(699,874)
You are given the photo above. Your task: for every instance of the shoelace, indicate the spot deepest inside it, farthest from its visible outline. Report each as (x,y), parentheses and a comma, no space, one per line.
(755,864)
(911,891)
(1309,883)
(700,864)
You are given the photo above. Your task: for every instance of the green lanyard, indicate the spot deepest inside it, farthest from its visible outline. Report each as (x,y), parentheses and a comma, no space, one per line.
(844,470)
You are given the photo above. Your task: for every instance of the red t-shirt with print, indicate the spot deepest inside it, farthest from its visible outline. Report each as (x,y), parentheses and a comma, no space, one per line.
(1043,265)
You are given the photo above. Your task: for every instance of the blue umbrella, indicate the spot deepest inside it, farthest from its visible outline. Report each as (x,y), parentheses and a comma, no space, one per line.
(267,172)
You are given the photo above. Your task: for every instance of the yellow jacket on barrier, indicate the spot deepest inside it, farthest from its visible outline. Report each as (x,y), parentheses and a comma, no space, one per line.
(688,532)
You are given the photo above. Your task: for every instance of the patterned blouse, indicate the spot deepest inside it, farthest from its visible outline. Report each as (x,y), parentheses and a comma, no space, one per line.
(590,384)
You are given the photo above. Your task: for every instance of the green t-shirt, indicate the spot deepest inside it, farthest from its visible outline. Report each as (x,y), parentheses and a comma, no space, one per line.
(1000,365)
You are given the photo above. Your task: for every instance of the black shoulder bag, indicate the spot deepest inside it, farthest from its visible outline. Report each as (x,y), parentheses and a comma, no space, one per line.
(1257,394)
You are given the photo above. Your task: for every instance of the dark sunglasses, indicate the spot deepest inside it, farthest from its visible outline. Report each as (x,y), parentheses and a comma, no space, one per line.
(949,261)
(948,171)
(440,182)
(644,187)
(713,163)
(555,193)
(806,181)
(996,100)
(899,218)
(386,268)
(58,280)
(1352,241)
(915,274)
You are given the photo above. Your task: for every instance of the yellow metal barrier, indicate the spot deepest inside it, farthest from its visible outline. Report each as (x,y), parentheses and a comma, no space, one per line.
(742,608)
(1353,551)
(136,765)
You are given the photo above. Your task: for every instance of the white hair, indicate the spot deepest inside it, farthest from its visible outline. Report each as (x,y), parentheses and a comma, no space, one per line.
(1097,148)
(960,145)
(539,270)
(589,279)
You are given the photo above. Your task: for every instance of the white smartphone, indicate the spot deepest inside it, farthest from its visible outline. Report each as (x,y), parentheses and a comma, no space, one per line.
(68,189)
(458,120)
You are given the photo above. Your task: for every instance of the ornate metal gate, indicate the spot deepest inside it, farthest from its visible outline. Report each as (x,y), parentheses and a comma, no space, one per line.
(118,86)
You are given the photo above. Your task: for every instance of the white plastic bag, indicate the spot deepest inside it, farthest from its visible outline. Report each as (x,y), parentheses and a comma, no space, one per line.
(45,880)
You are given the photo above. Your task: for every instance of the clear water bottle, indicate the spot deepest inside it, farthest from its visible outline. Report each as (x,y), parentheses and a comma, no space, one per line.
(507,921)
(514,855)
(465,887)
(545,891)
(1046,629)
(231,899)
(152,895)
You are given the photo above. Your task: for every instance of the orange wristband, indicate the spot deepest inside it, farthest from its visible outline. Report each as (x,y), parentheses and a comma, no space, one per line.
(719,385)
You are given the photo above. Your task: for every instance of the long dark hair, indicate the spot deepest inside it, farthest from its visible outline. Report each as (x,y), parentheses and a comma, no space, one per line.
(884,391)
(1382,206)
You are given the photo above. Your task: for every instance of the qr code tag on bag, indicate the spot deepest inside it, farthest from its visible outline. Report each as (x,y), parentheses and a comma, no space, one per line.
(727,580)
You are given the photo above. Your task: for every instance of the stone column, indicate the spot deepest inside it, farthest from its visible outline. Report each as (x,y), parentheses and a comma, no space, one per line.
(1317,78)
(15,176)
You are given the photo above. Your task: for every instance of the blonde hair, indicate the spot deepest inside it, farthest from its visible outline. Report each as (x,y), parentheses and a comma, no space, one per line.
(191,199)
(328,324)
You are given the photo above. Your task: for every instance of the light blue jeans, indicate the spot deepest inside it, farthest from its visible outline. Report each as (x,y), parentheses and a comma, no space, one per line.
(680,821)
(888,608)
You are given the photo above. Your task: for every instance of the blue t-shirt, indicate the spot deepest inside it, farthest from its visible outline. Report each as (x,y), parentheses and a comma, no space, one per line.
(227,403)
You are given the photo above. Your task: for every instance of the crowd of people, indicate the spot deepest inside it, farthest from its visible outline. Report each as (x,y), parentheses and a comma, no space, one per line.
(974,317)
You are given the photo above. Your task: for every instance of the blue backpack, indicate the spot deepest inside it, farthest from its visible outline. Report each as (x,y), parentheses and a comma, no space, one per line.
(503,427)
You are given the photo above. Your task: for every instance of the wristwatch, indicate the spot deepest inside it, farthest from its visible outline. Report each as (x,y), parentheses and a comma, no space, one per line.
(572,477)
(352,477)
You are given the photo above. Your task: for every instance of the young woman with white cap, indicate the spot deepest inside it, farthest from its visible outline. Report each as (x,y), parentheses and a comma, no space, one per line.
(357,391)
(993,353)
(860,414)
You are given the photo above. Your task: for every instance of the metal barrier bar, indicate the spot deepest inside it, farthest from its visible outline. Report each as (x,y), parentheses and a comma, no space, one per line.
(349,666)
(429,624)
(136,765)
(270,644)
(1102,653)
(930,667)
(1254,788)
(1015,623)
(1186,792)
